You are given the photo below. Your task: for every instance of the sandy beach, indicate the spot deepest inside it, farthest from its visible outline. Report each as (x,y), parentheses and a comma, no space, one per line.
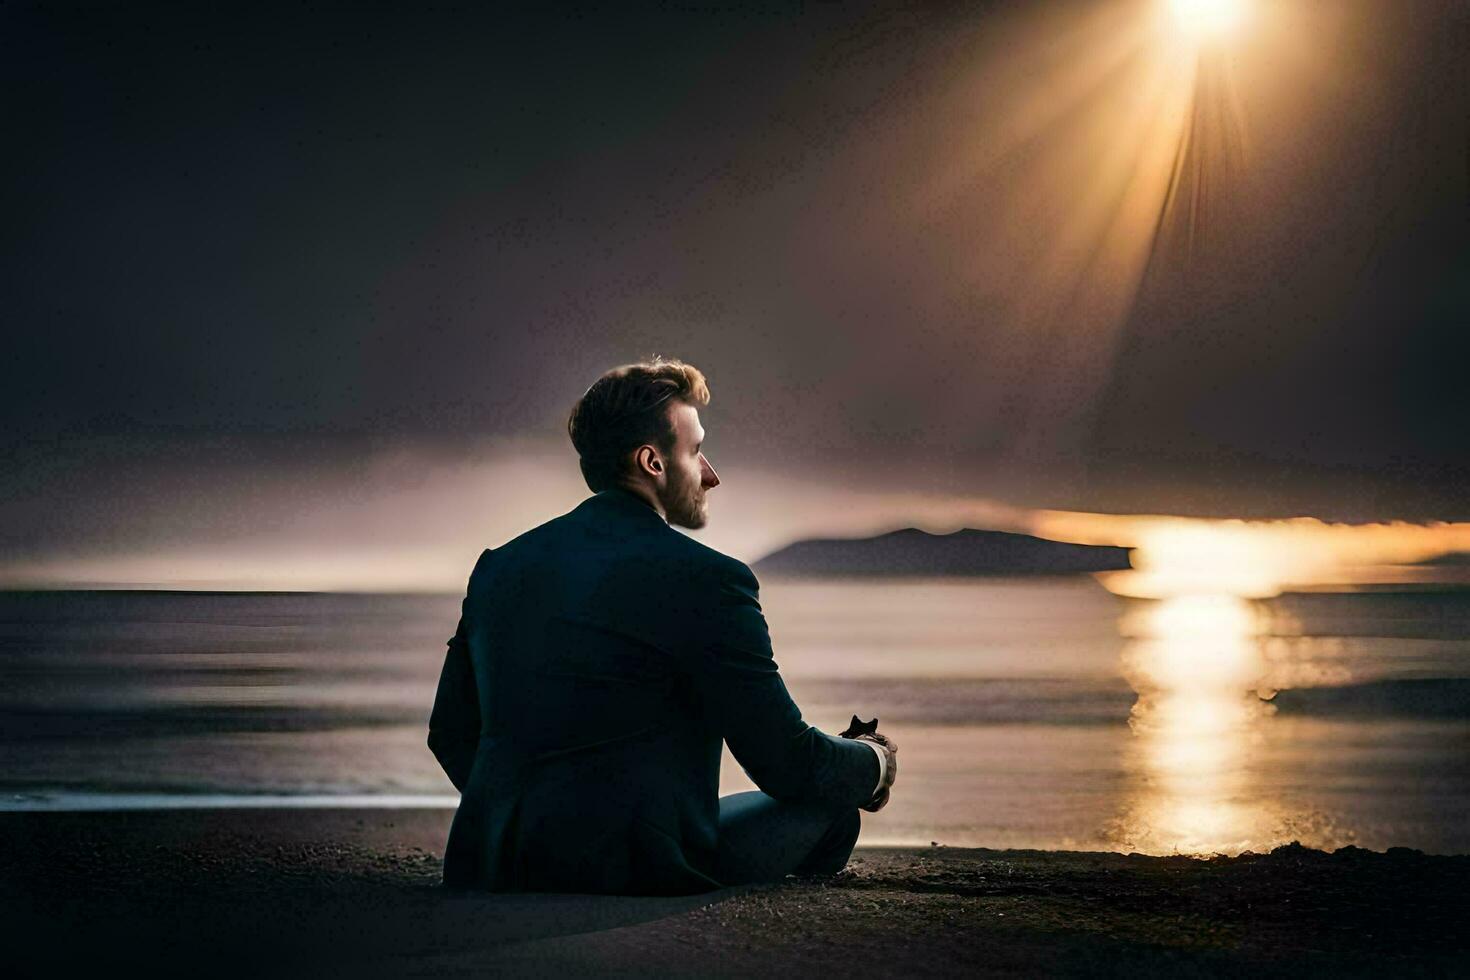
(356,893)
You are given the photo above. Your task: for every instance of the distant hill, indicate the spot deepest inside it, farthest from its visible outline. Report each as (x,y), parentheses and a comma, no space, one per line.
(912,552)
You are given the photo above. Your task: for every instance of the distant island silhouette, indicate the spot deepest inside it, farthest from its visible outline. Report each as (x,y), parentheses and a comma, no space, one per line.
(912,552)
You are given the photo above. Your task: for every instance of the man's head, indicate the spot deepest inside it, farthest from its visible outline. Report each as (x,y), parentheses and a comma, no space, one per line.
(638,427)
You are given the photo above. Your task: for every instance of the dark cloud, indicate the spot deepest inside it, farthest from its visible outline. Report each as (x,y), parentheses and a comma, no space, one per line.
(309,228)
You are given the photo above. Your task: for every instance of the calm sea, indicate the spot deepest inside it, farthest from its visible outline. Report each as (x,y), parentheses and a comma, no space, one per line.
(1042,713)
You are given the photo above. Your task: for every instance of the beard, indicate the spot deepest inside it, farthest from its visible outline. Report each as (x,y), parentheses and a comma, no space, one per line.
(684,504)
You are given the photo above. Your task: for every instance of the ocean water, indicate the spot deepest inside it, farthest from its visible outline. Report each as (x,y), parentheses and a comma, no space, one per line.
(1043,713)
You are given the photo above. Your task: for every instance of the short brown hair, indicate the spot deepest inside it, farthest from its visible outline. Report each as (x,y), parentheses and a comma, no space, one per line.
(626,408)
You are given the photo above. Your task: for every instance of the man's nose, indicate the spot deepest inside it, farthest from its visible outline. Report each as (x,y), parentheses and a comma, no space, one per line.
(710,478)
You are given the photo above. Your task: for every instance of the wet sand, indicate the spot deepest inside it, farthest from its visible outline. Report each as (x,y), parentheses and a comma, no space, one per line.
(356,893)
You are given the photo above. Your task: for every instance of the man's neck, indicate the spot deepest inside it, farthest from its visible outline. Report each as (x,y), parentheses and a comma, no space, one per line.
(646,495)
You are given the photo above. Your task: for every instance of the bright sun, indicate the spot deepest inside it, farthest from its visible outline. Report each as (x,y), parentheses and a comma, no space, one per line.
(1205,19)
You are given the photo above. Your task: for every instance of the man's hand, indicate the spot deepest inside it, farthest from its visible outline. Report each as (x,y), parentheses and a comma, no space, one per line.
(890,771)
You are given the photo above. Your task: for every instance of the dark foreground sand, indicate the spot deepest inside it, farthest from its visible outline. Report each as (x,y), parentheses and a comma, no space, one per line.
(355,892)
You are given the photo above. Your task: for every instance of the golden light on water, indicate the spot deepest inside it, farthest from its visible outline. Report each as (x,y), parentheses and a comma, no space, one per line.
(1192,643)
(1204,664)
(1194,661)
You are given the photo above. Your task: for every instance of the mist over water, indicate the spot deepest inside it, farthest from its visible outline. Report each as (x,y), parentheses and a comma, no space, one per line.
(1042,713)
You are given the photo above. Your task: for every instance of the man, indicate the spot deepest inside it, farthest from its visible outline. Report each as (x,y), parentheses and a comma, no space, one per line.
(600,660)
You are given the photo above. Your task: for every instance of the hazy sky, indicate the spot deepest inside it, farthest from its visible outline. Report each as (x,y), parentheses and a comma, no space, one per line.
(324,279)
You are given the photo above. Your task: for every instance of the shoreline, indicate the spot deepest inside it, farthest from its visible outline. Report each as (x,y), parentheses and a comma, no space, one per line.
(78,802)
(290,892)
(83,802)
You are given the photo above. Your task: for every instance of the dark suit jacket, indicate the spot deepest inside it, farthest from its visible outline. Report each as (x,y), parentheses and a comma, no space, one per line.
(600,659)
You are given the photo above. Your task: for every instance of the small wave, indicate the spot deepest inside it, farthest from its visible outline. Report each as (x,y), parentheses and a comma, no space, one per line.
(1426,698)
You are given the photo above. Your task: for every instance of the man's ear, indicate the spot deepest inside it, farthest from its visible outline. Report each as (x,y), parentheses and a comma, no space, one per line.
(648,459)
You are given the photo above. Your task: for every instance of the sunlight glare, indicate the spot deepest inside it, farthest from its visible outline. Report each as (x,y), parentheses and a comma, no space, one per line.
(1193,660)
(1205,19)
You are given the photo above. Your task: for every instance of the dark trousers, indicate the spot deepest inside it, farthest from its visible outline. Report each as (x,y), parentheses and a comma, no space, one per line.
(764,839)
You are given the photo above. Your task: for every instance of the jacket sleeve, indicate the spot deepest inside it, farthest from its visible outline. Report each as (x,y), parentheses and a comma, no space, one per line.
(454,723)
(742,689)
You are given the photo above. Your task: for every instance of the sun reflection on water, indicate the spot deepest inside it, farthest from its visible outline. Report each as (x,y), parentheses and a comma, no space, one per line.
(1195,662)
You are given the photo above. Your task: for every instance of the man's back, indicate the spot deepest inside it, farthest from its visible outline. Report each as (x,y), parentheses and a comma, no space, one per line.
(600,660)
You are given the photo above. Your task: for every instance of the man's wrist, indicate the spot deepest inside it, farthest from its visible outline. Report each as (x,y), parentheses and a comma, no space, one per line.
(882,765)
